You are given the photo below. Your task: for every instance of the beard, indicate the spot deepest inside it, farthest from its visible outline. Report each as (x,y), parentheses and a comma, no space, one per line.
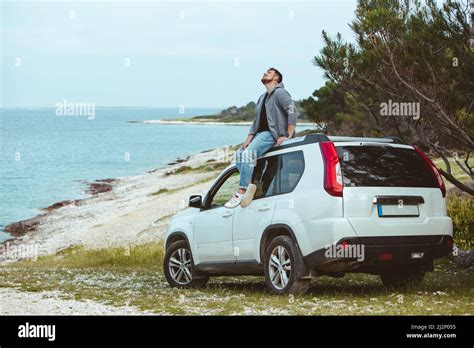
(265,80)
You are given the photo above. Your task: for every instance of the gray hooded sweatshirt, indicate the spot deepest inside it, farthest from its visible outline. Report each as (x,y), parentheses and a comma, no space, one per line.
(281,112)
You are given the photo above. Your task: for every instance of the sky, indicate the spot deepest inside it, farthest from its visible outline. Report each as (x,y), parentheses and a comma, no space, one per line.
(161,53)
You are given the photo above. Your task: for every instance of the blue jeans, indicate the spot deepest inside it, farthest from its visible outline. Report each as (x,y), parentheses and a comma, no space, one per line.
(245,160)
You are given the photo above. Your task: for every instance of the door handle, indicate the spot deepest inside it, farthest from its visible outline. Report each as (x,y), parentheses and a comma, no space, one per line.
(264,208)
(227,214)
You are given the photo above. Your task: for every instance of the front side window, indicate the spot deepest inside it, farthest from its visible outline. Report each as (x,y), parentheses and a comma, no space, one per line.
(226,190)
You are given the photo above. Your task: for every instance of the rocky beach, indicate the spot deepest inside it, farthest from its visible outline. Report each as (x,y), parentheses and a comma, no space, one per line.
(120,211)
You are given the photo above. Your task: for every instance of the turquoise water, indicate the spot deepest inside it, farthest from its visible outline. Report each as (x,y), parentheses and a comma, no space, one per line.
(46,157)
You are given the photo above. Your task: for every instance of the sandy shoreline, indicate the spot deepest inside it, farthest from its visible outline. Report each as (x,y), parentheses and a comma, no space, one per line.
(121,211)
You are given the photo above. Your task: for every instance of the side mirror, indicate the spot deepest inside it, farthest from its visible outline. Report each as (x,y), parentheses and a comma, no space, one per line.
(195,201)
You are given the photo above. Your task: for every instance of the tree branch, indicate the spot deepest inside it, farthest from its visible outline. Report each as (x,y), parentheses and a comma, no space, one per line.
(456,182)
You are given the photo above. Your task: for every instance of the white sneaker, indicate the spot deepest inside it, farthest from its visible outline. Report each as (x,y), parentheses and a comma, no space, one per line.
(248,195)
(234,201)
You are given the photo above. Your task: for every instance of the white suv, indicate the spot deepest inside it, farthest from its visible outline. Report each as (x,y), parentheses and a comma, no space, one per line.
(324,205)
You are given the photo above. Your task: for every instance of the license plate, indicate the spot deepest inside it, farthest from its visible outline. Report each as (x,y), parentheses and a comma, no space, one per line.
(398,210)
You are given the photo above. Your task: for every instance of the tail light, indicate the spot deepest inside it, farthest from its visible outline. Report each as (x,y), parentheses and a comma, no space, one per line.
(449,243)
(385,256)
(433,169)
(332,169)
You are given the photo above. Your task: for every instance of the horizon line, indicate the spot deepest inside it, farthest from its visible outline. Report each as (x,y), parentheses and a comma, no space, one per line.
(117,107)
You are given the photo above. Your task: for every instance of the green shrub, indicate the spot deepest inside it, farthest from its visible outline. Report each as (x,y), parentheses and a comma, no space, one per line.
(160,191)
(461,210)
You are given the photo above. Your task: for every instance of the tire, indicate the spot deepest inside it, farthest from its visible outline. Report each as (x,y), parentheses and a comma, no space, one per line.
(182,274)
(281,279)
(402,280)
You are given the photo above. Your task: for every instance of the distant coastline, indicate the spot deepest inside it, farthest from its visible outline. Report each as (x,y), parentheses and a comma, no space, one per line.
(197,121)
(233,116)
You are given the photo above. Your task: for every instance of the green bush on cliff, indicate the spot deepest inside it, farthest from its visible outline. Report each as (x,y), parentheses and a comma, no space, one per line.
(461,210)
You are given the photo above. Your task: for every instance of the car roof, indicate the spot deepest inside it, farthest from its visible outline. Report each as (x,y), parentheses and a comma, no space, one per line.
(320,137)
(293,144)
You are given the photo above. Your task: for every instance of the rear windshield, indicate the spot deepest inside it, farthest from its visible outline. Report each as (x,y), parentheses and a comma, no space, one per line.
(383,166)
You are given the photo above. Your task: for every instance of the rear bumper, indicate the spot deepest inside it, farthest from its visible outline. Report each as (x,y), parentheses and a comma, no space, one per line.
(380,252)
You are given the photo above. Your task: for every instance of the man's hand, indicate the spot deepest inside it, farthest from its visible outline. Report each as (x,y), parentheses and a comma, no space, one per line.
(280,140)
(247,141)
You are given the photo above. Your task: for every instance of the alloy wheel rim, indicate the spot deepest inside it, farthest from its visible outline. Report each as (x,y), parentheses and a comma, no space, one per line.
(279,267)
(180,266)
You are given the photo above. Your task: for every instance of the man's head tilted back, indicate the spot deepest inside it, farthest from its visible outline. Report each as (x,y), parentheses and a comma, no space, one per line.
(271,75)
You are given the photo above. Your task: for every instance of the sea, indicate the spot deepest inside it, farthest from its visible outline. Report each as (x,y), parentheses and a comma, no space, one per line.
(48,156)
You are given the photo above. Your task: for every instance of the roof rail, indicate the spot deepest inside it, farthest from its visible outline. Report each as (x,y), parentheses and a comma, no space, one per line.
(397,140)
(320,137)
(393,140)
(303,140)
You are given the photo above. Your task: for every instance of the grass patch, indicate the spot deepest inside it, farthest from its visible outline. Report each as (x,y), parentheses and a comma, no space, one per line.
(167,191)
(144,256)
(457,172)
(160,191)
(111,277)
(235,147)
(212,166)
(164,217)
(208,167)
(182,169)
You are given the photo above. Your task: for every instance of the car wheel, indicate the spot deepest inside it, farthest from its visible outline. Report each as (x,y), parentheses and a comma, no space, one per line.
(284,267)
(178,267)
(402,280)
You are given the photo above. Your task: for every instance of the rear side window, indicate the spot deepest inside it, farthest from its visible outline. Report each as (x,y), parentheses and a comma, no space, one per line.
(383,166)
(291,170)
